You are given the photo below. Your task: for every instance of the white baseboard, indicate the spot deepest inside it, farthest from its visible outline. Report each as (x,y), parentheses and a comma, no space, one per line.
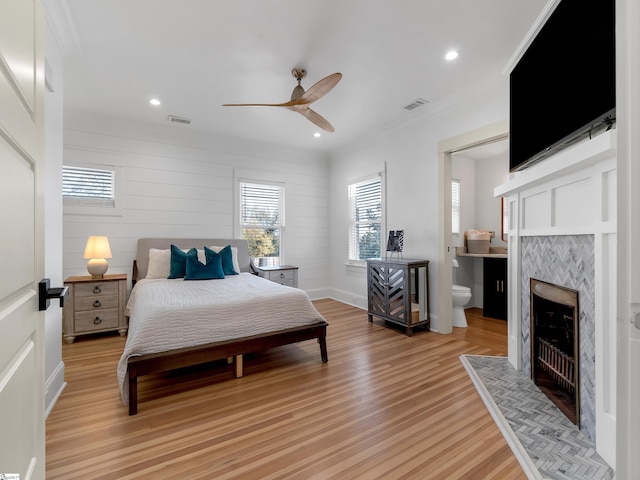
(349,298)
(318,293)
(53,388)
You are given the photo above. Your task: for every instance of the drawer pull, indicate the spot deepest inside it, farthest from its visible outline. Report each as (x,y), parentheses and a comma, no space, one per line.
(97,289)
(97,304)
(282,275)
(97,321)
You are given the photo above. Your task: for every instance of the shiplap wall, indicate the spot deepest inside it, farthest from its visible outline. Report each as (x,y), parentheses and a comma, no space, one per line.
(173,182)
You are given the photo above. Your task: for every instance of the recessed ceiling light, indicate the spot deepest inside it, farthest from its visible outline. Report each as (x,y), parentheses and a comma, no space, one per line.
(451,55)
(154,101)
(317,135)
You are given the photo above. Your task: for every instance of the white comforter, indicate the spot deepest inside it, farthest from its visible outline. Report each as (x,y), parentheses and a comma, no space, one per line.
(169,314)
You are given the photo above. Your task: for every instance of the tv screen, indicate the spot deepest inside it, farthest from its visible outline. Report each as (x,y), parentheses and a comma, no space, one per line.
(563,87)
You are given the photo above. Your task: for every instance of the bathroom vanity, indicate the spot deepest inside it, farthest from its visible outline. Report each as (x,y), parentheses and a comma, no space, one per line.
(494,278)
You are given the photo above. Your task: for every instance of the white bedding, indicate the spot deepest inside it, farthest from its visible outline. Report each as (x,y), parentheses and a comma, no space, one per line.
(168,314)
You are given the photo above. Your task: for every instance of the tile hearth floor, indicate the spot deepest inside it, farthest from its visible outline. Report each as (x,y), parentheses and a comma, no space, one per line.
(545,442)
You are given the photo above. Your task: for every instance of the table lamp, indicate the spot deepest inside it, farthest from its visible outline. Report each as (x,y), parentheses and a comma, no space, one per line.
(97,251)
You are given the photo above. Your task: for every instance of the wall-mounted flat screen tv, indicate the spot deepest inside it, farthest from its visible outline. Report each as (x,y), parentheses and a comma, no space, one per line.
(563,87)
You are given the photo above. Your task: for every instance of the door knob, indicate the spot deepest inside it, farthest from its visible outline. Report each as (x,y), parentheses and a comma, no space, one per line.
(45,293)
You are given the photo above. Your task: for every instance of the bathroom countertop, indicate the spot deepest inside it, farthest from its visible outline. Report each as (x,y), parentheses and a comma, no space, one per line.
(498,252)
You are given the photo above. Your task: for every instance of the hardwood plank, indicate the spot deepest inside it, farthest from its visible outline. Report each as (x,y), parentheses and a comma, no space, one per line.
(385,406)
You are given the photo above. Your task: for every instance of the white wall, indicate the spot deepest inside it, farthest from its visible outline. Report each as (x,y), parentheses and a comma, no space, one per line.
(410,153)
(490,173)
(178,182)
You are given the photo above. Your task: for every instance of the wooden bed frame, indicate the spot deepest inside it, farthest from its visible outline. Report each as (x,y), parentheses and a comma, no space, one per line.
(229,349)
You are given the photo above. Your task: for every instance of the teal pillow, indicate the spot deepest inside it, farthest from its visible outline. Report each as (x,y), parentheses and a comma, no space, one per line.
(227,259)
(178,265)
(196,270)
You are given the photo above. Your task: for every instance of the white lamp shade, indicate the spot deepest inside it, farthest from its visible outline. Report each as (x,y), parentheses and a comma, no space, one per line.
(97,247)
(97,250)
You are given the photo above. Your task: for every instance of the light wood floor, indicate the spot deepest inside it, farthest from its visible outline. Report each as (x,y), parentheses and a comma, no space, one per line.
(386,406)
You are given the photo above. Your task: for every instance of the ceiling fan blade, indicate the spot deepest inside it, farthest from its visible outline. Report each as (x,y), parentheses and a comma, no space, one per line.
(301,104)
(286,104)
(320,89)
(316,118)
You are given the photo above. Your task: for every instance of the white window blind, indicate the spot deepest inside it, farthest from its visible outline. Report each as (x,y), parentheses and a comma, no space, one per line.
(365,226)
(262,220)
(88,186)
(455,206)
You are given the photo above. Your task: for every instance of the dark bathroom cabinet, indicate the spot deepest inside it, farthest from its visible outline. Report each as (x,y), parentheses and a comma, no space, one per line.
(495,288)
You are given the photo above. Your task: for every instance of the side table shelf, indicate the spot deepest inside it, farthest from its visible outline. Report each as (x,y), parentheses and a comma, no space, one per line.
(398,292)
(95,305)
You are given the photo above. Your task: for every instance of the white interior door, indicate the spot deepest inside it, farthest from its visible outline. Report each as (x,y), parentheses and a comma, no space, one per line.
(22,437)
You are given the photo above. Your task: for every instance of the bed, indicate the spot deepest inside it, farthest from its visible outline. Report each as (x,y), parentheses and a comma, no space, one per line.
(175,323)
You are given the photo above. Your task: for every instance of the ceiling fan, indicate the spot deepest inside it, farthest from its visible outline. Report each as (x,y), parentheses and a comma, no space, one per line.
(301,100)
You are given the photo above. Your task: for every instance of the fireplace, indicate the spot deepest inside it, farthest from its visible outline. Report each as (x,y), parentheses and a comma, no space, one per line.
(555,345)
(562,229)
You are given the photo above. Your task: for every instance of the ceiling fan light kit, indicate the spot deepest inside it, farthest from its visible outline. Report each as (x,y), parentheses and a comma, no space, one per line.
(301,99)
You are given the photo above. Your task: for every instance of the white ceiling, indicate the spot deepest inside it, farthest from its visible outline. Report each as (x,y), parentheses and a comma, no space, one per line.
(195,55)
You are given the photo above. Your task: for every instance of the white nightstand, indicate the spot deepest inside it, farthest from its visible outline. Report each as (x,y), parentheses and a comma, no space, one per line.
(282,274)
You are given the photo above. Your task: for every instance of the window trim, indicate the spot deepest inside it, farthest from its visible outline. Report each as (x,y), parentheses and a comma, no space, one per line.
(282,214)
(114,210)
(381,174)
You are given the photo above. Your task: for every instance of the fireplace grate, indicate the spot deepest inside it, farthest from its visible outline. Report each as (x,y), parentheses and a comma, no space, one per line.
(558,365)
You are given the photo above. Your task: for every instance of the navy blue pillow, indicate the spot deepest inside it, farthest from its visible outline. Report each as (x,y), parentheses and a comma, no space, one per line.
(178,266)
(227,259)
(197,270)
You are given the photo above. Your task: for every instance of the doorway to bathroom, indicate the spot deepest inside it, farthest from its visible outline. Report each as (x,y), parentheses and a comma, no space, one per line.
(484,136)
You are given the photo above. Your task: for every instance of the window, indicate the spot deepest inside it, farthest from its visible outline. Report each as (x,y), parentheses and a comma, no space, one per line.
(88,187)
(365,219)
(455,207)
(262,221)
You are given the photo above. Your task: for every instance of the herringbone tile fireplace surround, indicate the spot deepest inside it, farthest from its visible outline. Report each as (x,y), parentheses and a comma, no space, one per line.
(568,261)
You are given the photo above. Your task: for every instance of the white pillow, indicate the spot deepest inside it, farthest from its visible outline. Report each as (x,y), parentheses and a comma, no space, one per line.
(234,256)
(159,263)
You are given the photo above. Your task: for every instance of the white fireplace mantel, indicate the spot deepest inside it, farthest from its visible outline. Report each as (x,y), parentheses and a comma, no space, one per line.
(572,193)
(579,157)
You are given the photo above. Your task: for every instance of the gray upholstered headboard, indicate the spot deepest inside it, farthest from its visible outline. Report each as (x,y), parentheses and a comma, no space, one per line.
(144,244)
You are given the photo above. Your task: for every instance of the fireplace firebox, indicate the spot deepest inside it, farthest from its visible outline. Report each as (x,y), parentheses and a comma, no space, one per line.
(555,345)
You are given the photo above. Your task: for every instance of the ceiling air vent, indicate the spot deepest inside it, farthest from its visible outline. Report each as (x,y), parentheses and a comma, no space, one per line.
(418,102)
(175,119)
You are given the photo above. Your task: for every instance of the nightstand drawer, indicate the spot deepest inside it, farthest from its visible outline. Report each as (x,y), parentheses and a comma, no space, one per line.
(96,302)
(90,321)
(281,276)
(96,288)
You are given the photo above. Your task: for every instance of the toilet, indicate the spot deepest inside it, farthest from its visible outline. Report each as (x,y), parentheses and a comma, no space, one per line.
(461,296)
